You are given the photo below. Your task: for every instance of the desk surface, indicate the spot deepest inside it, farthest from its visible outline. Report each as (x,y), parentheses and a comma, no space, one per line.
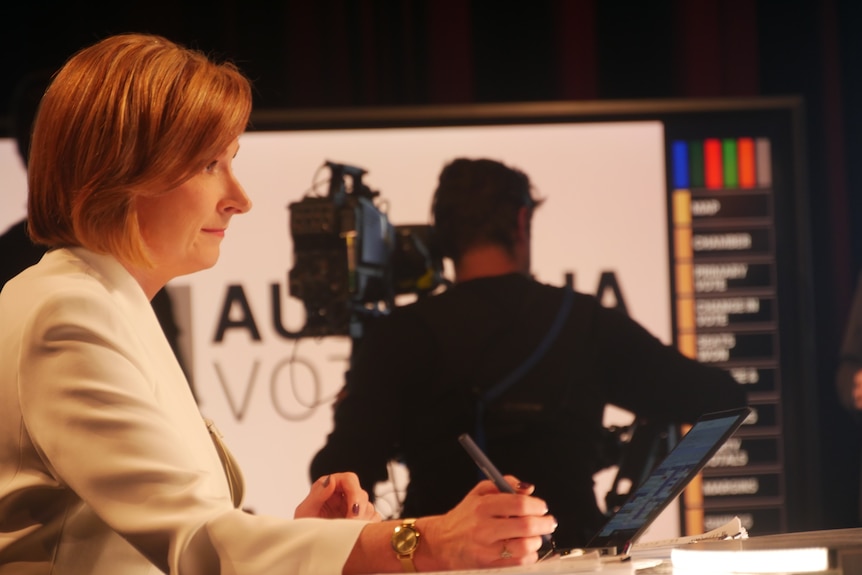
(831,538)
(843,548)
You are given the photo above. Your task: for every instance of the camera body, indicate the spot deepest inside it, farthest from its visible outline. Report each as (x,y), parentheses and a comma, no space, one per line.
(350,261)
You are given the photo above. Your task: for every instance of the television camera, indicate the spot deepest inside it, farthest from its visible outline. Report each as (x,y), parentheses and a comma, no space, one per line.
(350,261)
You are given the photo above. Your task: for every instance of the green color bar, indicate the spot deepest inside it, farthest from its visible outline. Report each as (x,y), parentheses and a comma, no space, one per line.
(731,166)
(695,164)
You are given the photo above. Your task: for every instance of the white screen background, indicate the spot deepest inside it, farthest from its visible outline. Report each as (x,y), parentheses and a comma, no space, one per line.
(604,186)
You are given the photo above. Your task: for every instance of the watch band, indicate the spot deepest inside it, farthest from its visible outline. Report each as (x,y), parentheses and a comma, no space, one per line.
(407,563)
(405,541)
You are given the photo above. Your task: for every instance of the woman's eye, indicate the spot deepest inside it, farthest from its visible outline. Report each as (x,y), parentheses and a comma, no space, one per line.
(211,166)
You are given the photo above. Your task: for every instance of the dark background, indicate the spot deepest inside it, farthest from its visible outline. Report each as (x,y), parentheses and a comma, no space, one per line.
(361,53)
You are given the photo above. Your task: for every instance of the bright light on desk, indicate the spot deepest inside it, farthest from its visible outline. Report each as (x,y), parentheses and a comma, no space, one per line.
(803,560)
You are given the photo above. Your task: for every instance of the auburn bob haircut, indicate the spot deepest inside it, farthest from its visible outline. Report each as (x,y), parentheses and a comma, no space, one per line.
(134,115)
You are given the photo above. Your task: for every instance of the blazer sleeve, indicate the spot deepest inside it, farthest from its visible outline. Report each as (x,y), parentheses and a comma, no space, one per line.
(96,418)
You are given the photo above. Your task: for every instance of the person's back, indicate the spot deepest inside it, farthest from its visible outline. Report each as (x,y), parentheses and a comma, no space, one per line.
(417,375)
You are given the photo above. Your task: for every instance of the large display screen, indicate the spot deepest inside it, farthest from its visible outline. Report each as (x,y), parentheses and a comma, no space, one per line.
(686,215)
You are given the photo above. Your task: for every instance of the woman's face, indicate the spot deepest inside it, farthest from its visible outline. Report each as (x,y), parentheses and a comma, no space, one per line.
(184,227)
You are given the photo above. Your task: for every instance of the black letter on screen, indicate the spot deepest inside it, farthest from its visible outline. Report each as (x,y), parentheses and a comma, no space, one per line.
(235,294)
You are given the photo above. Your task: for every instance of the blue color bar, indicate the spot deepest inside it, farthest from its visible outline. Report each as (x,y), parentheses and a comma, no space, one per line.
(680,165)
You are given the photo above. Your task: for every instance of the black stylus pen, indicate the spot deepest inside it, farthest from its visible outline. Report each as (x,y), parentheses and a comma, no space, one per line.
(492,473)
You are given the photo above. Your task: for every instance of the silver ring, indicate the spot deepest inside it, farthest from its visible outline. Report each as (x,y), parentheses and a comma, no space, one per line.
(505,553)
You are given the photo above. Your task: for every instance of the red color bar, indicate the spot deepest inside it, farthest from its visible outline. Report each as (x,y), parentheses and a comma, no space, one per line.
(712,164)
(745,163)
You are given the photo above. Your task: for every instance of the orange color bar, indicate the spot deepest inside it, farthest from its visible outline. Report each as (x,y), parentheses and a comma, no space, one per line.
(684,279)
(681,208)
(687,344)
(682,243)
(685,314)
(746,163)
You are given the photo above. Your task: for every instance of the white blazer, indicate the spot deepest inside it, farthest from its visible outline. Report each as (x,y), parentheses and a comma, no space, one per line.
(106,466)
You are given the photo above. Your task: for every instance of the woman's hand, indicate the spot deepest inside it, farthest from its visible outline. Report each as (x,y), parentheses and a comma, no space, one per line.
(488,528)
(338,495)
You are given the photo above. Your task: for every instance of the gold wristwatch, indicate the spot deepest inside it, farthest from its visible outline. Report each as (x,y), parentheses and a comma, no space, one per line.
(405,541)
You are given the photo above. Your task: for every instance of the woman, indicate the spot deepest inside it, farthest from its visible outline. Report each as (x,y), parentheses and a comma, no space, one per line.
(105,463)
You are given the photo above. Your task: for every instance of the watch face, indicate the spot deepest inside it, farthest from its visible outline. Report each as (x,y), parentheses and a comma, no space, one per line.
(404,540)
